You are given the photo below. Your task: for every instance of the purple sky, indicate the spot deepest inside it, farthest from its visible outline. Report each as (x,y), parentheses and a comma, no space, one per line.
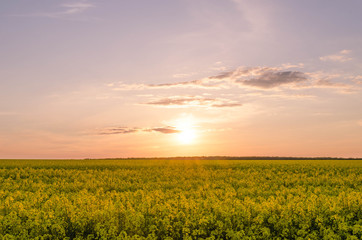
(178,78)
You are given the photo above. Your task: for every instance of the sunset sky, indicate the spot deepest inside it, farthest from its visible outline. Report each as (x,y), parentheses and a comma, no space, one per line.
(142,78)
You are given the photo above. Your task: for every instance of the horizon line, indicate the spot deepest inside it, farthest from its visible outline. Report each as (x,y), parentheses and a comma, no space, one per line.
(196,158)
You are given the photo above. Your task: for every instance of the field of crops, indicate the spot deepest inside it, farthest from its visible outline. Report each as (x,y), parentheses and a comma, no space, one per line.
(180,199)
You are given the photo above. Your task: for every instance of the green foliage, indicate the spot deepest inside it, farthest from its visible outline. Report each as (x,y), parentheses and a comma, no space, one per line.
(180,199)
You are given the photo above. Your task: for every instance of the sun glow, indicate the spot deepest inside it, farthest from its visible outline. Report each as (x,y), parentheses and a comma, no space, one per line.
(187,134)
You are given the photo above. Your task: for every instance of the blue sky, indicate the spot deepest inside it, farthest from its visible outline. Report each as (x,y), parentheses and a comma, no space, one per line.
(130,78)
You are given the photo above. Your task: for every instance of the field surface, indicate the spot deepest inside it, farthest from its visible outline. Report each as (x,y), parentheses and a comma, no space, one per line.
(180,199)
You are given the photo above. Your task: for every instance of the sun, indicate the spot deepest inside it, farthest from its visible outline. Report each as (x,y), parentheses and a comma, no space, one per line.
(186,136)
(187,133)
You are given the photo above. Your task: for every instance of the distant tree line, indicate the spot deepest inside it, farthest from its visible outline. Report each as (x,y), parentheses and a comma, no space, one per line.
(232,158)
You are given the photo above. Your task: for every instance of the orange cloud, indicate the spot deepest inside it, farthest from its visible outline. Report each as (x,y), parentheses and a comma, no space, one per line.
(127,130)
(198,101)
(342,56)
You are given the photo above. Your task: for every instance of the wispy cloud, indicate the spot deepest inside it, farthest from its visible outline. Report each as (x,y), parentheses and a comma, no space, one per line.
(205,83)
(325,80)
(193,101)
(77,7)
(342,56)
(182,75)
(357,79)
(289,65)
(329,83)
(120,86)
(165,130)
(250,77)
(288,96)
(270,79)
(128,130)
(224,80)
(66,10)
(118,130)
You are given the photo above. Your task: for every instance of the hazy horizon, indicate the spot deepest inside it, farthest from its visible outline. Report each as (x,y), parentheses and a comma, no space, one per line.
(107,79)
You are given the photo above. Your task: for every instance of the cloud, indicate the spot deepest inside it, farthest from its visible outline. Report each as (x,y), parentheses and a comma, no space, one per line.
(329,83)
(218,66)
(193,101)
(250,77)
(270,79)
(262,77)
(120,86)
(165,130)
(73,8)
(128,130)
(289,65)
(342,56)
(118,130)
(288,96)
(222,80)
(222,75)
(182,75)
(208,83)
(68,9)
(325,80)
(357,79)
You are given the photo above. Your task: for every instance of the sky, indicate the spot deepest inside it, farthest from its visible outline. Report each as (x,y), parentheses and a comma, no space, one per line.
(160,78)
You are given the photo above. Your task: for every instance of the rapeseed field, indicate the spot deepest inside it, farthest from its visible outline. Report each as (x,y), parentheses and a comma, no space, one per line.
(180,199)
